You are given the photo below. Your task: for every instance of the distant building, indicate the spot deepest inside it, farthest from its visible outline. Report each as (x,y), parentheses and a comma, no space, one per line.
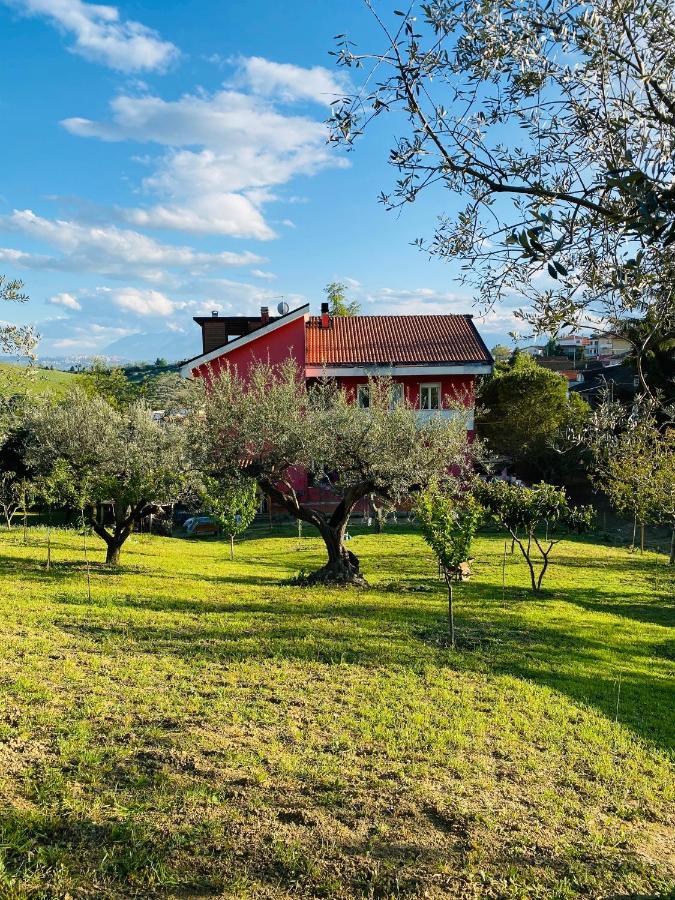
(533,350)
(561,365)
(571,342)
(598,378)
(607,346)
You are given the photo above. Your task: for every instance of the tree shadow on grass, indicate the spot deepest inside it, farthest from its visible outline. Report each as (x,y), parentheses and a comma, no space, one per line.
(378,628)
(116,856)
(625,681)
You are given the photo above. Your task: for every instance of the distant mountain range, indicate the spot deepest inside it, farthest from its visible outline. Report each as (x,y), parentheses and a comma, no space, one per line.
(147,346)
(134,348)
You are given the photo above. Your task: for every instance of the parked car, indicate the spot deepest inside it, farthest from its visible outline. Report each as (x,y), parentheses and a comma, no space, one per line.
(200,525)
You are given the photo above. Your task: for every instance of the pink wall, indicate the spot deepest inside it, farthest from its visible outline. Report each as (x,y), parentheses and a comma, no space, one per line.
(274,347)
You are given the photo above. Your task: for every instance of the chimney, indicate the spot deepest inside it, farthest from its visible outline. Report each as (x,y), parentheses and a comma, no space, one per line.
(214,313)
(265,315)
(325,317)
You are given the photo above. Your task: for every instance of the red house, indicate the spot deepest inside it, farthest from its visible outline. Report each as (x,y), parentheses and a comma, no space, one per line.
(430,358)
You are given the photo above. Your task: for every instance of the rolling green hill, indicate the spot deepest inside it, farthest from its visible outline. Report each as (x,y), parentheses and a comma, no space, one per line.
(16,379)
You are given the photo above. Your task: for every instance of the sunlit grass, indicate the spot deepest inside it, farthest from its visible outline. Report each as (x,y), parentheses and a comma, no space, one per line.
(200,729)
(34,380)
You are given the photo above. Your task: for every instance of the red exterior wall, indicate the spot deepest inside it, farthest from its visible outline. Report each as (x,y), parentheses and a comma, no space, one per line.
(460,387)
(274,347)
(289,340)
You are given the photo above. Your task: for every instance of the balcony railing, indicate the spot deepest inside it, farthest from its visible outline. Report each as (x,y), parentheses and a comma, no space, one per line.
(425,414)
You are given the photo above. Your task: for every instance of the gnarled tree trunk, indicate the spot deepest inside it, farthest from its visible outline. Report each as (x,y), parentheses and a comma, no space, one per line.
(126,517)
(343,566)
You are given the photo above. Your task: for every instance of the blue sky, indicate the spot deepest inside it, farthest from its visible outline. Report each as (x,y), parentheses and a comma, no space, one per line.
(163,160)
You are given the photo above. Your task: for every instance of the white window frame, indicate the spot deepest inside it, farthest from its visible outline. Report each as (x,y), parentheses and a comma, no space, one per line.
(363,391)
(429,385)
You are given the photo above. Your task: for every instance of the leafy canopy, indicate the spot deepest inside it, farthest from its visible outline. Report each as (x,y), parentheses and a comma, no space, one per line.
(448,526)
(272,422)
(119,455)
(112,384)
(634,461)
(232,504)
(524,410)
(338,302)
(554,121)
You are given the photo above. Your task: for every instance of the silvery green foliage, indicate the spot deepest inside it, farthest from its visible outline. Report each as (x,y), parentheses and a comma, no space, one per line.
(271,424)
(16,340)
(633,461)
(553,123)
(123,457)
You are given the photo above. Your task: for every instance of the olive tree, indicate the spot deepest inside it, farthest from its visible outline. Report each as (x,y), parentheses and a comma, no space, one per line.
(120,460)
(553,124)
(271,425)
(634,464)
(537,519)
(16,340)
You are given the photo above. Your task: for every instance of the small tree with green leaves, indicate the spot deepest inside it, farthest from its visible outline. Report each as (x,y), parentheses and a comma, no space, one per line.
(537,518)
(10,496)
(232,504)
(338,302)
(634,464)
(448,526)
(112,384)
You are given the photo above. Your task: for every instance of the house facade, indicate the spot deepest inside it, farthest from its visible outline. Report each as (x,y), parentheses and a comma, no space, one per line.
(433,361)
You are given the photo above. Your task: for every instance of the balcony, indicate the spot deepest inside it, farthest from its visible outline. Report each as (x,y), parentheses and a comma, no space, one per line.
(424,415)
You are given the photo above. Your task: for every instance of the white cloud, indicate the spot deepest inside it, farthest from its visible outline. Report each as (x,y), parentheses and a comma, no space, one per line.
(217,213)
(265,276)
(225,151)
(226,120)
(288,82)
(141,302)
(101,36)
(65,300)
(108,250)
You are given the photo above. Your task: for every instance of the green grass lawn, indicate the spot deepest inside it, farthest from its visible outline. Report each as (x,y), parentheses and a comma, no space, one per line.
(200,730)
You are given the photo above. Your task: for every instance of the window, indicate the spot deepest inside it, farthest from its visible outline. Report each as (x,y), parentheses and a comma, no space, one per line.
(430,396)
(396,395)
(363,396)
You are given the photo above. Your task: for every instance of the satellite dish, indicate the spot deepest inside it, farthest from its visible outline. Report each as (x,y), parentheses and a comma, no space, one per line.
(282,308)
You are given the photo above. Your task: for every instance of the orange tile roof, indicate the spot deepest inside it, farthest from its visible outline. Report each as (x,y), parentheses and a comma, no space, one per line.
(390,340)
